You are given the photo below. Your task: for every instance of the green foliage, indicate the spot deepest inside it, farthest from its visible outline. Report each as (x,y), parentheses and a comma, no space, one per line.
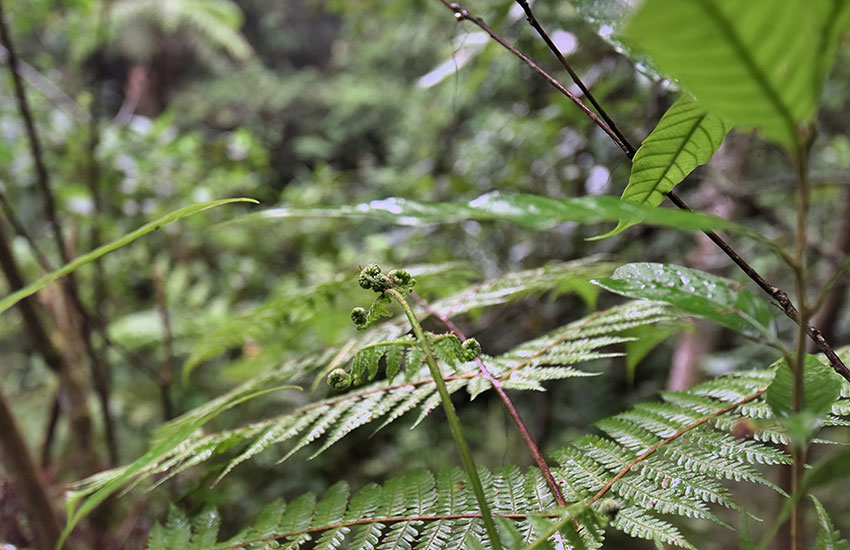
(718,50)
(210,27)
(525,367)
(821,387)
(532,211)
(330,118)
(687,136)
(696,293)
(689,432)
(828,538)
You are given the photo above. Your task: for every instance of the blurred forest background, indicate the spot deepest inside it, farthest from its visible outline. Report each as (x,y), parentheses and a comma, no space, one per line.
(145,106)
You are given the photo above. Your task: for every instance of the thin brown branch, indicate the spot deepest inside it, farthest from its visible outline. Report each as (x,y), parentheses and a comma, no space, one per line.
(798,452)
(98,368)
(532,20)
(42,176)
(50,429)
(21,231)
(779,295)
(462,14)
(649,452)
(512,410)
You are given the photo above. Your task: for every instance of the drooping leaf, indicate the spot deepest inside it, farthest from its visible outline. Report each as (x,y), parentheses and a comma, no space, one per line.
(749,62)
(533,211)
(645,340)
(694,292)
(72,266)
(687,136)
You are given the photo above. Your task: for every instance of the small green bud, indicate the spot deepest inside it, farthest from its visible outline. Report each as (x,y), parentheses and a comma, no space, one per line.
(367,274)
(471,349)
(400,277)
(371,277)
(360,316)
(339,380)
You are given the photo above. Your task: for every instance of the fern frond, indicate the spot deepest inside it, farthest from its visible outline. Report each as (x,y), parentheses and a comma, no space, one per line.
(658,459)
(335,417)
(213,24)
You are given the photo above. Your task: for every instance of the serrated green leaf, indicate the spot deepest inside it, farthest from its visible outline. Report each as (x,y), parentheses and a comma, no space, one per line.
(828,538)
(687,136)
(749,62)
(694,292)
(821,388)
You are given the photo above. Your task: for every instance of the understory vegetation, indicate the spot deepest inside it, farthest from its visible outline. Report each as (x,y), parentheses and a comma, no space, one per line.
(423,274)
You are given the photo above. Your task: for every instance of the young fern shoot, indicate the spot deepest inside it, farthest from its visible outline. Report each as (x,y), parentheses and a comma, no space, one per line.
(392,288)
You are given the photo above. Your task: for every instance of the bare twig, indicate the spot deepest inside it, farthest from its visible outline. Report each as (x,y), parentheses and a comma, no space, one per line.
(779,295)
(512,410)
(649,452)
(798,452)
(50,429)
(19,228)
(462,14)
(532,20)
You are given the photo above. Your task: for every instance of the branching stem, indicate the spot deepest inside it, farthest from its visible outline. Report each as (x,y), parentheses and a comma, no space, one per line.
(451,415)
(649,452)
(509,405)
(779,295)
(798,450)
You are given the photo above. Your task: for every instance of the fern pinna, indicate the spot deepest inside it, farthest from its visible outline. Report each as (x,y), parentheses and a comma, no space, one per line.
(656,460)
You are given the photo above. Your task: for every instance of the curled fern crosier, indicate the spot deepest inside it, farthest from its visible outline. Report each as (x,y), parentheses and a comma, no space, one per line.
(393,287)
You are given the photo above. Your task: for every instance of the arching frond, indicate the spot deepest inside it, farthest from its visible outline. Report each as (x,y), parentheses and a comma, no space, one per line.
(656,462)
(525,367)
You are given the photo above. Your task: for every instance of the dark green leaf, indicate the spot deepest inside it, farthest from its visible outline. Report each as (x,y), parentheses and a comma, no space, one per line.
(821,388)
(694,292)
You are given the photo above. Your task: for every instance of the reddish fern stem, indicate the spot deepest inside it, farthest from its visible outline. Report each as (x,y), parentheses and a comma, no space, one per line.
(649,452)
(512,410)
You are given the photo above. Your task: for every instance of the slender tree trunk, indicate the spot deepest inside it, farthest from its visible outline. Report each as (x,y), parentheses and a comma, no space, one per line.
(29,486)
(73,395)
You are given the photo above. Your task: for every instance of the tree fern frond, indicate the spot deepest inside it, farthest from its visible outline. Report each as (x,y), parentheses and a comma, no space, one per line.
(638,523)
(665,458)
